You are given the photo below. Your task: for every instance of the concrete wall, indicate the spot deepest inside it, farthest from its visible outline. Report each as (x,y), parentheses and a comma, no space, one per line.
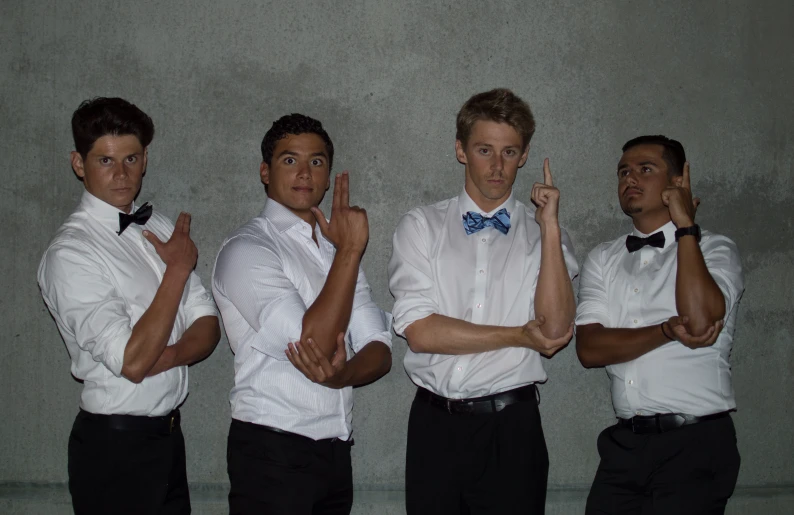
(387,79)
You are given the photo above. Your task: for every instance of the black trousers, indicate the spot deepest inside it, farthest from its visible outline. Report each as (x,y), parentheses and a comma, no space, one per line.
(275,473)
(126,471)
(493,463)
(689,470)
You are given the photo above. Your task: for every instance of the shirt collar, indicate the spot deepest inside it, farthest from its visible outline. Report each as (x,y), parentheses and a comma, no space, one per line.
(669,233)
(466,204)
(281,217)
(101,211)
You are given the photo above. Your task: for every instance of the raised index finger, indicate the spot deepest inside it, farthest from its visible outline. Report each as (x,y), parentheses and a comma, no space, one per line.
(185,222)
(685,183)
(547,173)
(345,194)
(337,192)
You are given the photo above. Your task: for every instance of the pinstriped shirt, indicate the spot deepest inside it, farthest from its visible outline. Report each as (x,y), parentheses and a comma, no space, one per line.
(267,274)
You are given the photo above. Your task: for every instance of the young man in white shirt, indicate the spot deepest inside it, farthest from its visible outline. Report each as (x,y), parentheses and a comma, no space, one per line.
(657,308)
(482,288)
(119,283)
(293,297)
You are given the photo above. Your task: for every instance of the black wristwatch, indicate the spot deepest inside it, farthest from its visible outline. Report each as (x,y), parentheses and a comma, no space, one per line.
(686,231)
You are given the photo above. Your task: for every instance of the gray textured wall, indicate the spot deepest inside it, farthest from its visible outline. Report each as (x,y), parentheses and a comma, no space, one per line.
(387,78)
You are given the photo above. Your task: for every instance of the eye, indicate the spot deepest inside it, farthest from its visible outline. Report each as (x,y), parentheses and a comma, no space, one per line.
(623,172)
(317,162)
(289,160)
(510,152)
(104,160)
(132,159)
(645,169)
(484,151)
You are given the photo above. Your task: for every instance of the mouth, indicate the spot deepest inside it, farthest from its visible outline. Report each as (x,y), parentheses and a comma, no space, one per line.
(632,192)
(302,189)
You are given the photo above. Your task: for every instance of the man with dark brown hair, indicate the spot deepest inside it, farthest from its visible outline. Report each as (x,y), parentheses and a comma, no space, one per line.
(482,287)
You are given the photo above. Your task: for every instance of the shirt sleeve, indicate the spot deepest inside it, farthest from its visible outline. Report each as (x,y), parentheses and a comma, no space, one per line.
(368,322)
(84,302)
(199,301)
(568,255)
(251,276)
(724,264)
(410,274)
(593,298)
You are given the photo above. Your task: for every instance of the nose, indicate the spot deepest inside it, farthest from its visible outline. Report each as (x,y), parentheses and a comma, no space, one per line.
(120,172)
(497,163)
(303,170)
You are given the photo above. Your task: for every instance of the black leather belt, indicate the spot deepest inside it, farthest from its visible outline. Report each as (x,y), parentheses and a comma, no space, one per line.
(162,425)
(296,436)
(663,422)
(480,405)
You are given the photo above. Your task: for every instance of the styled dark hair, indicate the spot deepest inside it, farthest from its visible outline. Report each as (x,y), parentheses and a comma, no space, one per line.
(102,116)
(672,153)
(498,105)
(295,124)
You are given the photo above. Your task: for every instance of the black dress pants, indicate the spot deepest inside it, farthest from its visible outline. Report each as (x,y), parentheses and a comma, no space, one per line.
(494,463)
(120,472)
(689,470)
(287,474)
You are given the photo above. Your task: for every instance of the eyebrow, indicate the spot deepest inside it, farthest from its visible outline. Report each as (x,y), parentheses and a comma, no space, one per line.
(292,153)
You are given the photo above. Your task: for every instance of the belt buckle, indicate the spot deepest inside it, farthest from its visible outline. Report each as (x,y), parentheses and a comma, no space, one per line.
(449,406)
(171,425)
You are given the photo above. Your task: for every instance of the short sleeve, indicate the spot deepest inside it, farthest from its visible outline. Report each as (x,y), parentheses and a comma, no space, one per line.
(84,302)
(410,274)
(368,322)
(593,300)
(724,264)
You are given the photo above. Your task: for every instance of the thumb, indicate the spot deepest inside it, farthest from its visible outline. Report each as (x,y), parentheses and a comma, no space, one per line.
(321,221)
(154,240)
(340,356)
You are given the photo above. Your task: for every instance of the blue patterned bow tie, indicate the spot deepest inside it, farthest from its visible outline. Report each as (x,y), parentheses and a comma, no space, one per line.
(473,221)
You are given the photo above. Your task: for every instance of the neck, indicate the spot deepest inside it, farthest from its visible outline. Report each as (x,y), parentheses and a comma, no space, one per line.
(486,205)
(649,224)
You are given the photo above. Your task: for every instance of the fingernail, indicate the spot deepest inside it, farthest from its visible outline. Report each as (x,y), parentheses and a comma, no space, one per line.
(146,233)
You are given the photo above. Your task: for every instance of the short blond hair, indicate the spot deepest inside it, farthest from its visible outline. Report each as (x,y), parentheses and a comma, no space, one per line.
(498,105)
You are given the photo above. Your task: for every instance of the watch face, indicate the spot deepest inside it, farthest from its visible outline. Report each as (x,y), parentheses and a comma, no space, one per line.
(686,231)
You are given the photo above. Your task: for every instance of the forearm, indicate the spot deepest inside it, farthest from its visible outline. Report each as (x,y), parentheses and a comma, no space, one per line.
(697,296)
(598,346)
(152,331)
(196,343)
(554,298)
(369,364)
(439,334)
(329,315)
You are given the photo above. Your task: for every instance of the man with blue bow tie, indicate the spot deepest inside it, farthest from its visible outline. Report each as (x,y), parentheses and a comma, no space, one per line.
(482,287)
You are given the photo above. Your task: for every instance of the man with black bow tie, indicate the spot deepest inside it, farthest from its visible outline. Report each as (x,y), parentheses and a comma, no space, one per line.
(657,308)
(482,288)
(119,283)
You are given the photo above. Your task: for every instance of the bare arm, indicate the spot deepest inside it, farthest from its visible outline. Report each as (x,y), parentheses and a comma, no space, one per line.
(348,230)
(697,296)
(372,362)
(439,334)
(554,299)
(598,346)
(150,334)
(196,343)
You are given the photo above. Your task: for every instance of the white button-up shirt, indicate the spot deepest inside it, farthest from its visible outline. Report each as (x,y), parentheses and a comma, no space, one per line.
(268,272)
(97,285)
(485,278)
(630,290)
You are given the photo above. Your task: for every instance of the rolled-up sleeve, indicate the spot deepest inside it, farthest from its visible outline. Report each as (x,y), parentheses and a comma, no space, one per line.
(724,264)
(84,302)
(593,305)
(368,323)
(251,276)
(410,275)
(199,301)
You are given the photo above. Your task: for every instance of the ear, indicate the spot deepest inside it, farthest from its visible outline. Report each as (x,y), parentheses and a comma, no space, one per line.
(328,182)
(677,181)
(264,173)
(524,157)
(77,164)
(145,159)
(460,153)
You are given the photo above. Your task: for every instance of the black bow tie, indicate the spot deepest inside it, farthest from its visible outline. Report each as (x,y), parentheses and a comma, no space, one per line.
(634,243)
(138,217)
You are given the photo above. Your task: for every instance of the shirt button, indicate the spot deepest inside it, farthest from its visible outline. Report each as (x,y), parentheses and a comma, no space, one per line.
(482,272)
(479,305)
(635,321)
(645,262)
(460,369)
(484,240)
(636,290)
(639,413)
(631,381)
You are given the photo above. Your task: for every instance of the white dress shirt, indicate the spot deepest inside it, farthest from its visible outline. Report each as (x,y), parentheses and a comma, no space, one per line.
(485,278)
(267,274)
(631,290)
(97,285)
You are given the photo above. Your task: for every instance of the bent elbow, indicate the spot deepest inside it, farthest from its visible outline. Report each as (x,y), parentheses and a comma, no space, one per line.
(133,374)
(587,357)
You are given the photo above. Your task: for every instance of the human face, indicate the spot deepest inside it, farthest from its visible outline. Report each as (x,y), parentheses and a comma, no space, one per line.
(492,158)
(642,177)
(113,169)
(298,174)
